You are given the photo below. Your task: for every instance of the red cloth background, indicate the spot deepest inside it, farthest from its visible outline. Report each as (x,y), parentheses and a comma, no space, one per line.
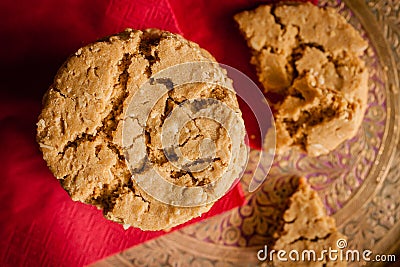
(39,224)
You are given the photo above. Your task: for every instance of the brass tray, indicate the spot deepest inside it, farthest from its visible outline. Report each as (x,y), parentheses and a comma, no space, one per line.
(359,182)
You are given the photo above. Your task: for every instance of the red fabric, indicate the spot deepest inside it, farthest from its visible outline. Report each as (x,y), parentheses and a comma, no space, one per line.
(39,224)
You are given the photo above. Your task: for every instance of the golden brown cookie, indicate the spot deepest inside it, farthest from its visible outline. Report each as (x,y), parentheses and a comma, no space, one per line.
(87,135)
(311,57)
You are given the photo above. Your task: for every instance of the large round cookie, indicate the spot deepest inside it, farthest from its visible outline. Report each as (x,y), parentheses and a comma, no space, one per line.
(82,123)
(310,56)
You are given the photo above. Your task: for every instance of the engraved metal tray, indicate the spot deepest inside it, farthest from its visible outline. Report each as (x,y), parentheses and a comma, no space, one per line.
(359,182)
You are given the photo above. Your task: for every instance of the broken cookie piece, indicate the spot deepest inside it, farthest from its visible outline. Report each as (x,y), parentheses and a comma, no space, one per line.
(310,56)
(85,116)
(307,228)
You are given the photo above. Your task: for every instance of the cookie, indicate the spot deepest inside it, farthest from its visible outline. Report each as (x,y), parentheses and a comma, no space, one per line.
(310,57)
(307,227)
(94,114)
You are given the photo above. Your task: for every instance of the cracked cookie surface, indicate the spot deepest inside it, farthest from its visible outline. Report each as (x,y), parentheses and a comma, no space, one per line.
(310,56)
(80,127)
